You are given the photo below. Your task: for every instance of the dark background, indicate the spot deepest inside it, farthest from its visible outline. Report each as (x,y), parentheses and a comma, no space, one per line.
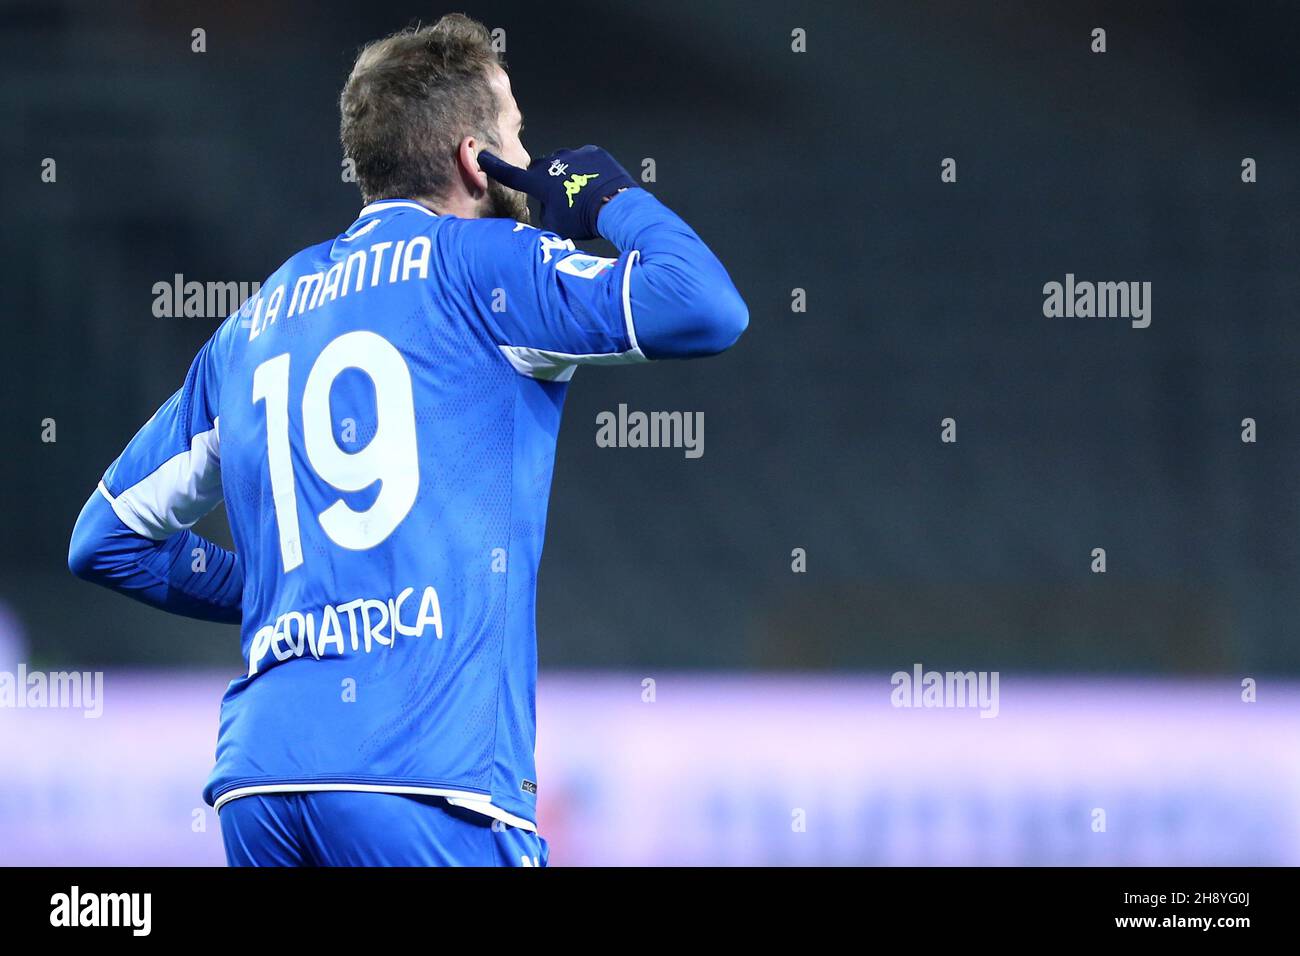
(818,171)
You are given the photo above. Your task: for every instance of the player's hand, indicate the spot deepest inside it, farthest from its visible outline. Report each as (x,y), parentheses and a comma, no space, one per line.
(571,185)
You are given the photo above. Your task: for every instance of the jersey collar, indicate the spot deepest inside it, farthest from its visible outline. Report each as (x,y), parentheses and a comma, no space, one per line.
(383,204)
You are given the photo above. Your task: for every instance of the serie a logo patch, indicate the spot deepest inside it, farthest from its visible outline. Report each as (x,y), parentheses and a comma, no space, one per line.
(584,266)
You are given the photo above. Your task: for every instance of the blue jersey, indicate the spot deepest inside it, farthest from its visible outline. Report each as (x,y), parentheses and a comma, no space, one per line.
(380,420)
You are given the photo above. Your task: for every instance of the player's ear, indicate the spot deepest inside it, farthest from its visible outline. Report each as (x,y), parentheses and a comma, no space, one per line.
(475,180)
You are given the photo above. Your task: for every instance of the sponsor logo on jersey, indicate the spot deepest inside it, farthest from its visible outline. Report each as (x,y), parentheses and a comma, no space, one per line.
(358,625)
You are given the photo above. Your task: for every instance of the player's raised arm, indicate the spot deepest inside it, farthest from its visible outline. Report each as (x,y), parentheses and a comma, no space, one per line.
(670,293)
(133,534)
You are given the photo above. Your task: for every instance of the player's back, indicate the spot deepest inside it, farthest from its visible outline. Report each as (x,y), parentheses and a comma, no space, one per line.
(385,471)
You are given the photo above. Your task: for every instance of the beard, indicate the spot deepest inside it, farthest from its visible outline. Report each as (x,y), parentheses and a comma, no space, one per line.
(505,203)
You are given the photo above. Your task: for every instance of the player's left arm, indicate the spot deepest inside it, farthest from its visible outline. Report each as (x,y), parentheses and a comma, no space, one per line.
(553,308)
(133,535)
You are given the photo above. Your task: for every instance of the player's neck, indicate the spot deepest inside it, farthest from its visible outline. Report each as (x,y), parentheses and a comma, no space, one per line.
(462,206)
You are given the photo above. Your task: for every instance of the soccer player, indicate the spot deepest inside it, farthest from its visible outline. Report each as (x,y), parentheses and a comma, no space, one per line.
(380,419)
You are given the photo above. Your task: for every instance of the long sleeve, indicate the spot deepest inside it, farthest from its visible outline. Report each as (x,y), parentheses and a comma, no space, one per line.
(184,573)
(682,302)
(134,536)
(551,308)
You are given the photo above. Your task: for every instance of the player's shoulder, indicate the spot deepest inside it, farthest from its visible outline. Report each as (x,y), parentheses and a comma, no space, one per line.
(492,232)
(496,238)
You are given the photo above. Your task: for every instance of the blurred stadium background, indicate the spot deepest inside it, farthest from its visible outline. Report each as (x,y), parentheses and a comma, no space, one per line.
(818,171)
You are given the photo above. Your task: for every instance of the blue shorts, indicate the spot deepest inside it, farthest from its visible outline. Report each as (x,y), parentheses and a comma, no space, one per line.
(351,828)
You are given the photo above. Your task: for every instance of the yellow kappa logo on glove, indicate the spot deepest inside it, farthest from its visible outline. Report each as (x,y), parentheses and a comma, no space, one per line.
(575,182)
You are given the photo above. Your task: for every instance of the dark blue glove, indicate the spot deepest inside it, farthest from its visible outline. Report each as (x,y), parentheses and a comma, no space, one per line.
(571,184)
